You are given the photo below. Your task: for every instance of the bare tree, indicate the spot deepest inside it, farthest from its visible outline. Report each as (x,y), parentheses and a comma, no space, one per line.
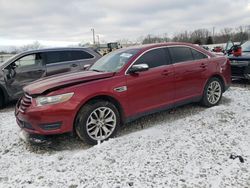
(34,46)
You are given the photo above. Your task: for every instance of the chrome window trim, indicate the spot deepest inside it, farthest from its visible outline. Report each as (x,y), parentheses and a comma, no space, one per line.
(65,62)
(126,72)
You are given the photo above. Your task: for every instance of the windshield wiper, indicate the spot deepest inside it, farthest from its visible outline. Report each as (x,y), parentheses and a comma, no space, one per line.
(96,70)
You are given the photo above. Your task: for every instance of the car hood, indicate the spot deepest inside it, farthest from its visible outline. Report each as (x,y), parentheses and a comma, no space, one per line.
(244,57)
(49,84)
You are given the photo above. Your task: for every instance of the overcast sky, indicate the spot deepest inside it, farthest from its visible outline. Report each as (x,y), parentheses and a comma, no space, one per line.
(63,22)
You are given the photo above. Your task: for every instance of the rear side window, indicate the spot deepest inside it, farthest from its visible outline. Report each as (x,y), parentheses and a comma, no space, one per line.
(57,56)
(180,54)
(198,55)
(61,56)
(153,58)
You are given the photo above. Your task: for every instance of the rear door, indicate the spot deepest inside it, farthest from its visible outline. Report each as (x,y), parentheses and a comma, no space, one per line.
(190,68)
(60,61)
(153,88)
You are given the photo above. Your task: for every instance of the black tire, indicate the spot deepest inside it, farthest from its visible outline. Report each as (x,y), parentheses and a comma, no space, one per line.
(206,100)
(84,116)
(1,100)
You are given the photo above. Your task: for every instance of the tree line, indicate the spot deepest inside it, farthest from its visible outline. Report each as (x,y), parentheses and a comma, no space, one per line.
(204,36)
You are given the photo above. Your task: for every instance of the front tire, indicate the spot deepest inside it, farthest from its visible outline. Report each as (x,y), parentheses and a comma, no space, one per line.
(1,100)
(212,93)
(97,121)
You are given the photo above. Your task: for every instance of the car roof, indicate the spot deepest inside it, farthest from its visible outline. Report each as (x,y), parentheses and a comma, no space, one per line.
(145,47)
(56,48)
(16,56)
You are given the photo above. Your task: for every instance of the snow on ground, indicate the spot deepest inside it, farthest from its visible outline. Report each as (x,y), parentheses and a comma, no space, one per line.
(189,147)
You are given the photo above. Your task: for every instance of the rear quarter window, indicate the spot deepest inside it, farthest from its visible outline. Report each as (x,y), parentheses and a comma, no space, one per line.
(198,55)
(77,55)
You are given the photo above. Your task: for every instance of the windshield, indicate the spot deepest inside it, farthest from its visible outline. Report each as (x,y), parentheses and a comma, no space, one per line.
(114,61)
(246,46)
(229,45)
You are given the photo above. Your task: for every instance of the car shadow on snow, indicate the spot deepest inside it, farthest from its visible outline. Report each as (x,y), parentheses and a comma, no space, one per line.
(167,117)
(72,142)
(242,83)
(55,143)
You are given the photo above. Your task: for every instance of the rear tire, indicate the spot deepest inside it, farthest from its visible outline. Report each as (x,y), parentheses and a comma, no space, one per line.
(1,100)
(97,121)
(212,93)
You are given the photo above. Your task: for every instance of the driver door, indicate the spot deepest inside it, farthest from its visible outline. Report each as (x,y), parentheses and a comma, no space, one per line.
(23,71)
(152,89)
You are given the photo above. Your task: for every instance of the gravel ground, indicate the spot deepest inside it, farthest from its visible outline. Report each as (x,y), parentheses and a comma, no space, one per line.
(187,147)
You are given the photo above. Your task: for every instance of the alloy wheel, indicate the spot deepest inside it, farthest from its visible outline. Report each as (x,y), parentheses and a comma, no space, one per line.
(101,123)
(214,92)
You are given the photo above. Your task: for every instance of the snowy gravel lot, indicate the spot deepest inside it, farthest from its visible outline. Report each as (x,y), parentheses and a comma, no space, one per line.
(189,147)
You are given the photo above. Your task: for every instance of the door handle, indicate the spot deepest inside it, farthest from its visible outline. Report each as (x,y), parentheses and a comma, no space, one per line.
(39,71)
(166,72)
(203,65)
(74,65)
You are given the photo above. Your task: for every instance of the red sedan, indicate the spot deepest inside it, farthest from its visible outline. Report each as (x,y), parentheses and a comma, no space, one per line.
(122,86)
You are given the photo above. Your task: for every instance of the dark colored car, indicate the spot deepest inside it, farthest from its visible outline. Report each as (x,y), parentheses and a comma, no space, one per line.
(29,66)
(122,86)
(239,56)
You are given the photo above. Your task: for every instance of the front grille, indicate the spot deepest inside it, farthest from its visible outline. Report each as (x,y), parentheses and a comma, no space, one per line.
(25,102)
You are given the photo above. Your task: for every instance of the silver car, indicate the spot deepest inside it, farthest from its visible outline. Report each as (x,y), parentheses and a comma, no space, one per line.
(29,66)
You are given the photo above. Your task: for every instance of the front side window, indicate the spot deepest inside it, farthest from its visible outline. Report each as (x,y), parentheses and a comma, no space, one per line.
(114,61)
(180,54)
(153,58)
(29,60)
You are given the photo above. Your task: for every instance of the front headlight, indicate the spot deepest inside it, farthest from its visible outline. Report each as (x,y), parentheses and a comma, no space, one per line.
(41,101)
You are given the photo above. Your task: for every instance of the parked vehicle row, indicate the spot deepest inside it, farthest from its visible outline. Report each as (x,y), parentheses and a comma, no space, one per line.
(239,56)
(120,87)
(27,67)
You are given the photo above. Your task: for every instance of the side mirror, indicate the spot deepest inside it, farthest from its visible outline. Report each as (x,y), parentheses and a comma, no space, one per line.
(138,68)
(85,67)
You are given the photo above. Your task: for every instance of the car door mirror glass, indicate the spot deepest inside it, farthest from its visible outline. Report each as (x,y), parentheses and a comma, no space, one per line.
(138,68)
